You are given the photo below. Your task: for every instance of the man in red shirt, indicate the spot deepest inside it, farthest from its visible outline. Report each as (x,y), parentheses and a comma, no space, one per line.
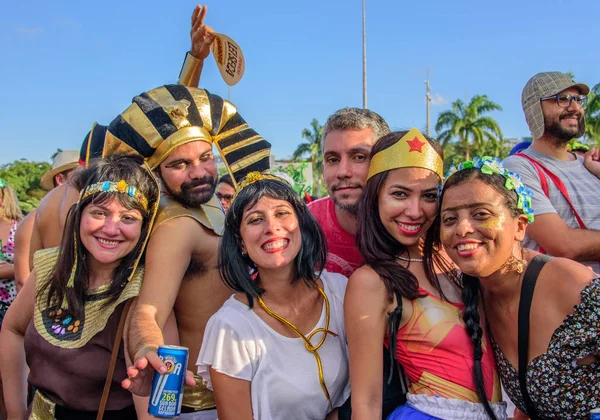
(348,136)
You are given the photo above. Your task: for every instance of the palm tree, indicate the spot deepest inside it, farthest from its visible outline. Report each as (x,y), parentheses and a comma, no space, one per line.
(474,132)
(312,148)
(592,116)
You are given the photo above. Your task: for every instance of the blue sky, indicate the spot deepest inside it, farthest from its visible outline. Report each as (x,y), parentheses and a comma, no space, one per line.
(66,64)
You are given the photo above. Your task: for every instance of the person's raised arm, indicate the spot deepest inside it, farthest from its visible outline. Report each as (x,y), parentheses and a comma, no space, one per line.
(22,243)
(366,306)
(12,351)
(201,37)
(548,229)
(168,256)
(560,240)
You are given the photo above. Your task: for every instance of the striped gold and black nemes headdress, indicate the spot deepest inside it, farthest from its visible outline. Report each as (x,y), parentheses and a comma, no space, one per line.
(93,144)
(164,118)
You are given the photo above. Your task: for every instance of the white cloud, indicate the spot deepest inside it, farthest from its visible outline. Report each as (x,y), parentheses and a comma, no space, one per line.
(30,31)
(438,100)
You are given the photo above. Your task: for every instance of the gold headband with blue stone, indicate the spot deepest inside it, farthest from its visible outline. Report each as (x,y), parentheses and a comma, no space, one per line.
(115,187)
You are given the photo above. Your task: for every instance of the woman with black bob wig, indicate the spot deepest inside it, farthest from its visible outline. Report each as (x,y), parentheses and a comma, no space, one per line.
(66,323)
(407,296)
(277,347)
(543,313)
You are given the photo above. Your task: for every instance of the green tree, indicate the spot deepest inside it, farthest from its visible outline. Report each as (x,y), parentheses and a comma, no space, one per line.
(463,129)
(24,177)
(592,116)
(312,148)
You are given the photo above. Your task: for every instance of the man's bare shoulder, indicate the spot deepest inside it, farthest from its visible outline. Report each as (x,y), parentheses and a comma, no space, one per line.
(185,232)
(62,196)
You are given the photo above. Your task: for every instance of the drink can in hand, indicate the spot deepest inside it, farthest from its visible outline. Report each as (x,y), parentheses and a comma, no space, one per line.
(167,389)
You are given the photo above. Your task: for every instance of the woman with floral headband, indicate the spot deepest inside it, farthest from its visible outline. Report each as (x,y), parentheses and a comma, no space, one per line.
(543,313)
(66,323)
(408,295)
(277,348)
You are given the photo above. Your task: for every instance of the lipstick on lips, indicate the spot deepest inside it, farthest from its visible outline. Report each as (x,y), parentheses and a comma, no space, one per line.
(409,228)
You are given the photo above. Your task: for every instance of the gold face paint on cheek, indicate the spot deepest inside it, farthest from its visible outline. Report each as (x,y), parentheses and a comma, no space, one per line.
(494,223)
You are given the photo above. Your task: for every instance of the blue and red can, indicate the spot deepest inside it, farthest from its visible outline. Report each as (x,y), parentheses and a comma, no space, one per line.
(167,389)
(595,414)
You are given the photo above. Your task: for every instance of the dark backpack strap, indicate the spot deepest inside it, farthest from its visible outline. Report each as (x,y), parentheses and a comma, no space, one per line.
(527,289)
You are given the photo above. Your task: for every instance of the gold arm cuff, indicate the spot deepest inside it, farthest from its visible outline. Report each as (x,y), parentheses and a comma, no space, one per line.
(42,408)
(190,71)
(142,352)
(198,397)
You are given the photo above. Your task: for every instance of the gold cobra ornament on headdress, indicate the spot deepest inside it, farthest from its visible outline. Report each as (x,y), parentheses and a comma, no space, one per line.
(411,151)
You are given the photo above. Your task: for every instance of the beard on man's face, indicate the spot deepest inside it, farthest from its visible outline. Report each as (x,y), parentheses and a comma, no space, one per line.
(341,199)
(192,196)
(561,134)
(348,208)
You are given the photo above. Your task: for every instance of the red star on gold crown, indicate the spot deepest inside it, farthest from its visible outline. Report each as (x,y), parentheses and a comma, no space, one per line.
(415,145)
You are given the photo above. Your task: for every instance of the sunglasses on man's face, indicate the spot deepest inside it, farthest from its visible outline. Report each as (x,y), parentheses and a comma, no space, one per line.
(224,197)
(564,100)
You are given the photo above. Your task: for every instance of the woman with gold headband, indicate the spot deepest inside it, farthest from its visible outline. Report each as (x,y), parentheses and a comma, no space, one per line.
(66,323)
(407,295)
(277,347)
(543,313)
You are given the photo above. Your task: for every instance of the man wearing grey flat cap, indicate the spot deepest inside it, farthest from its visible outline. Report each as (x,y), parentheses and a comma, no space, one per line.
(565,186)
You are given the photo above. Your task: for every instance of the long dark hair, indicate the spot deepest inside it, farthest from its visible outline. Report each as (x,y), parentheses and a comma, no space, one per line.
(234,267)
(471,290)
(113,169)
(380,249)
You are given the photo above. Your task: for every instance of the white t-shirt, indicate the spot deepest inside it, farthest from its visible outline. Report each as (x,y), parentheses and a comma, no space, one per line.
(283,374)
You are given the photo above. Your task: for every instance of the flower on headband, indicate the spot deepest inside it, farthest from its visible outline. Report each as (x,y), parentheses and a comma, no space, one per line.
(453,169)
(490,166)
(513,182)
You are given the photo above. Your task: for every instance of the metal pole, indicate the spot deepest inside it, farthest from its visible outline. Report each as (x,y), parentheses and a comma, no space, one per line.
(428,103)
(364,36)
(228,93)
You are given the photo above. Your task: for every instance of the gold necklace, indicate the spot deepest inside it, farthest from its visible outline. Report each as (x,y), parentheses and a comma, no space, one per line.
(307,343)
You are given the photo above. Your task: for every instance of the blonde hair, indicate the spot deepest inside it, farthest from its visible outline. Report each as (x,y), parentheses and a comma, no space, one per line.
(10,203)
